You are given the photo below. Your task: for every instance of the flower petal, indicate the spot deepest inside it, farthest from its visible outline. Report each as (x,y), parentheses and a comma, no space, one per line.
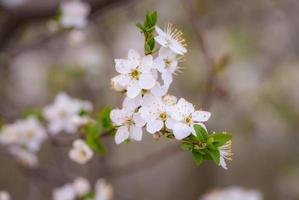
(185,107)
(146,64)
(133,89)
(121,66)
(181,131)
(177,47)
(133,55)
(159,64)
(167,78)
(147,81)
(201,116)
(139,121)
(121,135)
(161,40)
(169,123)
(136,133)
(118,116)
(160,31)
(154,126)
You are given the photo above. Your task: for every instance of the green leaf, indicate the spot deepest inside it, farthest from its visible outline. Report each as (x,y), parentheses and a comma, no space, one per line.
(93,131)
(151,43)
(201,133)
(104,118)
(220,138)
(87,196)
(141,27)
(197,157)
(154,18)
(187,146)
(215,155)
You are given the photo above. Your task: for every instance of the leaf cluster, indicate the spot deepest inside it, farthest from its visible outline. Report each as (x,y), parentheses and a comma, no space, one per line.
(205,146)
(147,28)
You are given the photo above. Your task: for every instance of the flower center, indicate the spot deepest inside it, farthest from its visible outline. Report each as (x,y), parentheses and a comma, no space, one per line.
(130,121)
(83,153)
(62,114)
(163,116)
(167,62)
(135,73)
(30,134)
(187,120)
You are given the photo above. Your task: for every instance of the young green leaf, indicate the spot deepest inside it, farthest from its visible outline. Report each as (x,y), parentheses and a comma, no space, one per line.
(186,146)
(220,138)
(198,157)
(215,155)
(104,118)
(201,133)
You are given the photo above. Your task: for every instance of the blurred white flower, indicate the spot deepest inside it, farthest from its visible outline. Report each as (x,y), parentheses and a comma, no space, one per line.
(129,122)
(74,14)
(4,195)
(233,193)
(186,116)
(66,192)
(76,37)
(80,121)
(81,186)
(26,157)
(167,64)
(60,114)
(80,152)
(27,133)
(135,73)
(225,153)
(171,38)
(103,190)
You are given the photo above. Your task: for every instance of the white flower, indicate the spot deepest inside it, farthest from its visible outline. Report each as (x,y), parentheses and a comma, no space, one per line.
(27,133)
(61,112)
(171,38)
(4,195)
(81,152)
(74,13)
(166,64)
(24,156)
(128,121)
(225,153)
(80,121)
(135,73)
(233,193)
(157,115)
(103,191)
(186,116)
(81,186)
(66,192)
(76,37)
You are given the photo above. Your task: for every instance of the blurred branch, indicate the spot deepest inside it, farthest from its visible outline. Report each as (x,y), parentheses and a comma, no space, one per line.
(209,60)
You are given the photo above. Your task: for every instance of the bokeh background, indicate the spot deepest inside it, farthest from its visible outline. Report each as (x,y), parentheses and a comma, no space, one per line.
(254,93)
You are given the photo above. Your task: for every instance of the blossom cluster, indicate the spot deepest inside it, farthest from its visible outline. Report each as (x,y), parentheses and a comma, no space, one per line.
(233,193)
(80,189)
(145,80)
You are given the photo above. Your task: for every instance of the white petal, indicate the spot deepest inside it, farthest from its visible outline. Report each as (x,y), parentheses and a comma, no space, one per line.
(201,116)
(185,107)
(177,48)
(158,90)
(121,66)
(121,135)
(161,40)
(136,133)
(181,131)
(170,123)
(167,78)
(133,89)
(159,64)
(133,55)
(139,121)
(146,63)
(154,126)
(118,116)
(222,163)
(165,52)
(120,81)
(147,81)
(160,31)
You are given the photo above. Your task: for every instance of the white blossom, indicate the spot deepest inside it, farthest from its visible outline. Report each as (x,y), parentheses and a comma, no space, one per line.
(74,14)
(186,116)
(136,73)
(171,38)
(233,193)
(167,64)
(225,153)
(66,192)
(80,152)
(81,186)
(103,190)
(4,195)
(60,114)
(157,115)
(129,123)
(27,133)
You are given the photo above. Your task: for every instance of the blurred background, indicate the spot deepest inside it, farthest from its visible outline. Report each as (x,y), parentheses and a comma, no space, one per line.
(252,92)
